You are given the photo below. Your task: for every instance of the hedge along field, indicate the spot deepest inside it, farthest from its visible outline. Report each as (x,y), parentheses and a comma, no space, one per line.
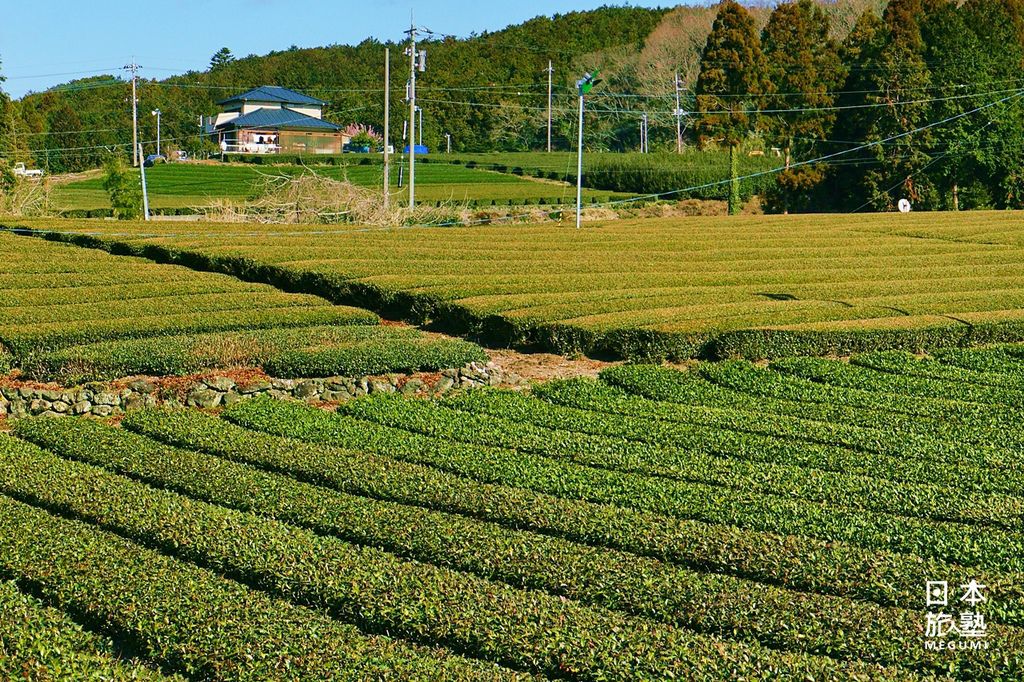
(71,315)
(757,287)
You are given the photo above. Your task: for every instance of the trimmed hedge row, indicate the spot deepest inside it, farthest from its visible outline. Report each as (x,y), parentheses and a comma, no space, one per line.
(526,629)
(996,549)
(350,350)
(742,386)
(24,340)
(783,619)
(769,344)
(987,425)
(794,562)
(664,394)
(41,643)
(907,364)
(380,357)
(849,375)
(194,621)
(1004,360)
(705,452)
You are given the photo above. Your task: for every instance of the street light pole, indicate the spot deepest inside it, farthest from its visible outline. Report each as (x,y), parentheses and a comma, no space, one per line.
(157,112)
(583,86)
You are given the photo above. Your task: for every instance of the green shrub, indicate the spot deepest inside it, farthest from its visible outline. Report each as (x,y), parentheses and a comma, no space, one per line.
(123,188)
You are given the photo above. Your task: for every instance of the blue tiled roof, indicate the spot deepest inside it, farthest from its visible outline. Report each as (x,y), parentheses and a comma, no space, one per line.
(280,118)
(273,93)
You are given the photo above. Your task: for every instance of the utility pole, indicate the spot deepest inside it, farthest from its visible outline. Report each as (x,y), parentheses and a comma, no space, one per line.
(643,133)
(583,86)
(157,112)
(417,61)
(133,67)
(448,139)
(679,116)
(145,193)
(387,127)
(420,110)
(550,71)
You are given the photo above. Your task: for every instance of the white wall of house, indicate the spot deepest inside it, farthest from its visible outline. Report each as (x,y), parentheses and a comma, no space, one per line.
(249,107)
(315,112)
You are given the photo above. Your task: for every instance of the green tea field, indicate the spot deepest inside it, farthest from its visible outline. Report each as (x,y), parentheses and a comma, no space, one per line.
(72,314)
(728,522)
(181,185)
(754,286)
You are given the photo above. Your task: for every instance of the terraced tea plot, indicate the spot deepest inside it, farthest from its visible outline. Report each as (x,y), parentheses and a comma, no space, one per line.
(74,314)
(730,521)
(763,286)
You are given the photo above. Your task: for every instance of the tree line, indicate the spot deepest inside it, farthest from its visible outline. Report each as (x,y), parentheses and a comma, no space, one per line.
(922,103)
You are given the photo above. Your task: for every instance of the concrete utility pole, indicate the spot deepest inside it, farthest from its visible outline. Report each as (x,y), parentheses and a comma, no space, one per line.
(157,112)
(679,116)
(550,71)
(133,67)
(145,193)
(643,133)
(417,61)
(387,126)
(448,140)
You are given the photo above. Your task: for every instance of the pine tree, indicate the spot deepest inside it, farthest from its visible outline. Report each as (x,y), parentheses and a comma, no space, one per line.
(221,58)
(731,83)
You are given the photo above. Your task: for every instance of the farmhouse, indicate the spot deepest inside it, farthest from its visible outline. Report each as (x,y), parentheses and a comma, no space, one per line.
(271,120)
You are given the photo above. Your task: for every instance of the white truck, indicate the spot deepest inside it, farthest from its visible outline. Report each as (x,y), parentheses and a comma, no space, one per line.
(21,171)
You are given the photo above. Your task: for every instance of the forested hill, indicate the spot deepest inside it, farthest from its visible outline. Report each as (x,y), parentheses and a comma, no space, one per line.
(488,90)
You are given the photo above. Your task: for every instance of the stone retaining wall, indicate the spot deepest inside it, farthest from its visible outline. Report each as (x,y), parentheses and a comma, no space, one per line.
(104,400)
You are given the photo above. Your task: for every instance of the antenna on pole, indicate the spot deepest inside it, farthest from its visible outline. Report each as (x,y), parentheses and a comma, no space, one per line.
(583,86)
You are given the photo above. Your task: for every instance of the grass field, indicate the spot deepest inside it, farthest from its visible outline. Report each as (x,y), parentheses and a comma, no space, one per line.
(181,185)
(74,314)
(732,521)
(758,286)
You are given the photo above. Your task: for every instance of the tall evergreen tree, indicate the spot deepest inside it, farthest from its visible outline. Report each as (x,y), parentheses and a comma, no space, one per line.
(998,131)
(221,57)
(731,82)
(954,54)
(804,70)
(902,81)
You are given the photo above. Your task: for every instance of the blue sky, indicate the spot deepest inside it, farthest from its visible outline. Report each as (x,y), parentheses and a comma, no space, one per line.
(46,42)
